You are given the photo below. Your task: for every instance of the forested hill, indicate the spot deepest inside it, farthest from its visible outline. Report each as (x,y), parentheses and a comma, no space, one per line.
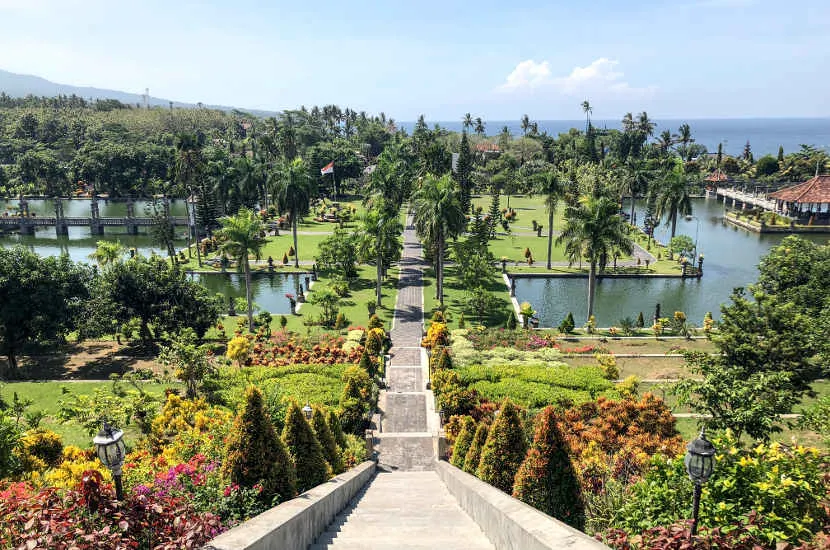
(17,85)
(66,145)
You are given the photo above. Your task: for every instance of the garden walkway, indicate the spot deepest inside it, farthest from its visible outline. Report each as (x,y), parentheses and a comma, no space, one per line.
(406,505)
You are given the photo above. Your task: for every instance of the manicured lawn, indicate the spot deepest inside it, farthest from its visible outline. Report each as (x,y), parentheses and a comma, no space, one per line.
(455,299)
(46,397)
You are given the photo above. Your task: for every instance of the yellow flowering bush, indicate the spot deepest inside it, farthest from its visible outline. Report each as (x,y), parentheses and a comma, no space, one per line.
(238,349)
(75,461)
(40,449)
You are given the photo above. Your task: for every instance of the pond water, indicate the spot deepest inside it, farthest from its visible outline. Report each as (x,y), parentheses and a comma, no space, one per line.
(731,257)
(267,289)
(81,208)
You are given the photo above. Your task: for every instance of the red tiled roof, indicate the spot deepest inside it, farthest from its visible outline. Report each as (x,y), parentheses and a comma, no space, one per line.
(717,176)
(816,189)
(487,147)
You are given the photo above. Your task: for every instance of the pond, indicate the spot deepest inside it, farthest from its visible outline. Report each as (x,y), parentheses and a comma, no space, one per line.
(731,257)
(268,290)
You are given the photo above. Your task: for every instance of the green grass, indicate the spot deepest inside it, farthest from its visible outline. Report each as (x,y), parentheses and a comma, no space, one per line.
(455,299)
(46,397)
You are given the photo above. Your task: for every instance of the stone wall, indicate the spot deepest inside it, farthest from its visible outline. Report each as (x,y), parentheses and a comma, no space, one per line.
(296,523)
(507,522)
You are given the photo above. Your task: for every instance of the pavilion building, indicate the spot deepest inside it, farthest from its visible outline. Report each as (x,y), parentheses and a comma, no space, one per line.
(809,202)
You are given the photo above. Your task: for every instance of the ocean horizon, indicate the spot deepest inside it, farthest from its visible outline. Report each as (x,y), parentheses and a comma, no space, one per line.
(764,135)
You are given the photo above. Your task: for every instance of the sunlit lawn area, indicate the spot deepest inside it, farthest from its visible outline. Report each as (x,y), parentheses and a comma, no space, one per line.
(46,397)
(456,295)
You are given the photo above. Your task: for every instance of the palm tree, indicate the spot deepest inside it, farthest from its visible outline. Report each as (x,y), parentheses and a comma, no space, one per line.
(525,124)
(381,228)
(552,187)
(107,252)
(467,121)
(636,177)
(645,125)
(292,194)
(188,169)
(666,141)
(242,236)
(684,136)
(587,109)
(672,196)
(479,126)
(438,215)
(594,230)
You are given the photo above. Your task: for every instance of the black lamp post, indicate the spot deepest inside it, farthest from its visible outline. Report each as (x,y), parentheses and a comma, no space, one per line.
(307,411)
(700,463)
(109,446)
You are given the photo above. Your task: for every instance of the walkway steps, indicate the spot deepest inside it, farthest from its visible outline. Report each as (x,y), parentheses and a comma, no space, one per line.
(408,452)
(403,412)
(403,510)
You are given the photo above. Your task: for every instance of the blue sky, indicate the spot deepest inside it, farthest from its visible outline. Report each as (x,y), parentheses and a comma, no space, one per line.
(495,59)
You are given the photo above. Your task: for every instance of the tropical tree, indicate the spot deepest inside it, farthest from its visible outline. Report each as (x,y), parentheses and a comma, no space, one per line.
(525,124)
(467,121)
(381,230)
(587,109)
(293,189)
(479,129)
(241,237)
(189,166)
(671,196)
(108,252)
(438,216)
(552,188)
(594,230)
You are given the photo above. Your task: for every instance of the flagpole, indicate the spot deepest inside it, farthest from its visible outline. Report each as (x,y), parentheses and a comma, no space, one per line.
(333,183)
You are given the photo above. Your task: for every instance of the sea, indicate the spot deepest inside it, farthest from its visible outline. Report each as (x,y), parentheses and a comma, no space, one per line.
(764,135)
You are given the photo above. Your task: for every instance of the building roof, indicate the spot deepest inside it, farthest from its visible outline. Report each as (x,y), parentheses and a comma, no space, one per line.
(816,190)
(717,176)
(487,147)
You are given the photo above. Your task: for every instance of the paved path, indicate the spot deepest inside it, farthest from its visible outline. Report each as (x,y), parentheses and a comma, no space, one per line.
(406,505)
(403,510)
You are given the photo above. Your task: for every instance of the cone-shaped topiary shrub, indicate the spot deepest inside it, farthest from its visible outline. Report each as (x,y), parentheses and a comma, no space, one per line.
(462,442)
(546,479)
(512,322)
(473,458)
(256,455)
(567,325)
(311,465)
(326,439)
(444,359)
(461,322)
(336,429)
(375,322)
(504,450)
(367,364)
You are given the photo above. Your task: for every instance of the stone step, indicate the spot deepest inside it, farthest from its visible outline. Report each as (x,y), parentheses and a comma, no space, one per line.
(403,412)
(402,510)
(406,451)
(405,379)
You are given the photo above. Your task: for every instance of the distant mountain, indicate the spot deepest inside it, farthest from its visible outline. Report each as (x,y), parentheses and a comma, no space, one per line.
(21,85)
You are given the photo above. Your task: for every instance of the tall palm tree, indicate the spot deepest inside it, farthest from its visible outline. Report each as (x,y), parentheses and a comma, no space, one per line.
(188,169)
(672,196)
(552,187)
(292,194)
(479,129)
(438,216)
(467,121)
(587,109)
(636,179)
(525,124)
(645,125)
(382,229)
(594,230)
(666,141)
(241,237)
(684,136)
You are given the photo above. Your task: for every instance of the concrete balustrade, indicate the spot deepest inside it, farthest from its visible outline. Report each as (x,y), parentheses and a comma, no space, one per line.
(509,523)
(297,522)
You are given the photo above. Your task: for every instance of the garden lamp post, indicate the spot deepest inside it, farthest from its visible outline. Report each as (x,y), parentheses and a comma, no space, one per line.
(697,231)
(700,463)
(109,446)
(441,417)
(307,411)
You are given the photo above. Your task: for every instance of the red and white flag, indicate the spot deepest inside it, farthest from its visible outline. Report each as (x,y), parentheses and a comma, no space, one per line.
(327,169)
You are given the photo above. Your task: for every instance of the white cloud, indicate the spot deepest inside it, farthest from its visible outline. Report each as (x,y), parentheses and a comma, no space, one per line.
(528,74)
(599,78)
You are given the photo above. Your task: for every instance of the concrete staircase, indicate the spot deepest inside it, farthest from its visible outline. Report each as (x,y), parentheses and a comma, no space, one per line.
(403,510)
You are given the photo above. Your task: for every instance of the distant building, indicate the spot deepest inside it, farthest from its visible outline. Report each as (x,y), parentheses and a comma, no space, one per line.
(810,199)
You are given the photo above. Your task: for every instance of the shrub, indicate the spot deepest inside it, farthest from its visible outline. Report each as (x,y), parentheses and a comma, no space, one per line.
(473,456)
(512,322)
(41,445)
(336,429)
(546,479)
(340,321)
(238,350)
(255,455)
(305,450)
(367,364)
(640,321)
(463,442)
(567,325)
(437,335)
(461,322)
(591,325)
(285,259)
(504,450)
(74,462)
(374,341)
(375,322)
(356,401)
(326,439)
(283,321)
(608,363)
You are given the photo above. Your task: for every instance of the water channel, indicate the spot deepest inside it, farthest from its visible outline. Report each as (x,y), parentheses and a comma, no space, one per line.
(268,289)
(731,257)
